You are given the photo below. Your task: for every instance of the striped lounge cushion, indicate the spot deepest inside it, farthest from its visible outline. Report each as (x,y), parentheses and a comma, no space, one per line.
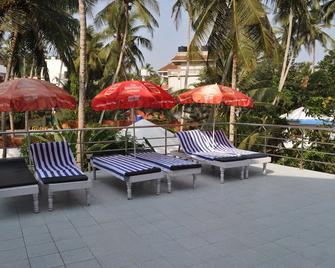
(54,163)
(222,143)
(124,165)
(202,144)
(167,162)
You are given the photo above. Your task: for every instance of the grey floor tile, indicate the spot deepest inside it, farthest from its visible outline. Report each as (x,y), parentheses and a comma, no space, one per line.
(41,249)
(85,264)
(48,261)
(76,255)
(69,244)
(64,234)
(12,255)
(12,244)
(16,264)
(38,239)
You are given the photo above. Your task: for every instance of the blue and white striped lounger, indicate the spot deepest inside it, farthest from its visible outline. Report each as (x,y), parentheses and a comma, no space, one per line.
(56,168)
(218,151)
(171,166)
(128,169)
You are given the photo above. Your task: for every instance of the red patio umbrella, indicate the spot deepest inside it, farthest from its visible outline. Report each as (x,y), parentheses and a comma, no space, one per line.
(24,95)
(216,94)
(132,95)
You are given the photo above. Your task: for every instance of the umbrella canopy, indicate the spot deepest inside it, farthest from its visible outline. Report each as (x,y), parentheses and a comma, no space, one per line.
(22,95)
(133,94)
(216,94)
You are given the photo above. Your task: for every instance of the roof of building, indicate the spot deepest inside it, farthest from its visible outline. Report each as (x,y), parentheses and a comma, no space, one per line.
(170,66)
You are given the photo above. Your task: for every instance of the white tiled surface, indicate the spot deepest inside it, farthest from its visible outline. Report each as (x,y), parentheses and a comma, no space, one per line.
(284,219)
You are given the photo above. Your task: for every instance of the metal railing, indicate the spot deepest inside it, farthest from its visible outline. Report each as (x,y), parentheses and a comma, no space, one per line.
(295,145)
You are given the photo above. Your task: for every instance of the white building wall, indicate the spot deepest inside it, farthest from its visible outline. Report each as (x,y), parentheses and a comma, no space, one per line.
(176,78)
(2,71)
(57,71)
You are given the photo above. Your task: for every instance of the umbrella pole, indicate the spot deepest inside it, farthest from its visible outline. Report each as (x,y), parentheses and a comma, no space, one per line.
(26,124)
(4,137)
(134,137)
(214,122)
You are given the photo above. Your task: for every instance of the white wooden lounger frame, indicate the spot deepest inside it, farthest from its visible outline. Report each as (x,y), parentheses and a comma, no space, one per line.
(171,174)
(67,186)
(132,179)
(22,190)
(244,164)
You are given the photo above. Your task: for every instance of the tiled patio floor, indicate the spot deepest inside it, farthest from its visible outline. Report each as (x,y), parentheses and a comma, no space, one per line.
(284,219)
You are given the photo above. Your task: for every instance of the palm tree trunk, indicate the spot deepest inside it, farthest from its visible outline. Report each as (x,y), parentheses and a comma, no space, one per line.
(32,69)
(8,73)
(124,42)
(123,48)
(286,66)
(232,119)
(11,55)
(227,66)
(82,79)
(60,74)
(314,57)
(187,71)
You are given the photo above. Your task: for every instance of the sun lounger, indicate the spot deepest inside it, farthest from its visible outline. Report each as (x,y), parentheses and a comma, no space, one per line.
(127,169)
(222,143)
(56,168)
(202,147)
(17,180)
(171,166)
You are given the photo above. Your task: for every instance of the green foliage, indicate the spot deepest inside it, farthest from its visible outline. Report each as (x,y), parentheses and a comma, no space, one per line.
(320,96)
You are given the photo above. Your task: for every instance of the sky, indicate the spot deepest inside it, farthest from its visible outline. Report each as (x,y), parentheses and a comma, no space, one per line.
(166,38)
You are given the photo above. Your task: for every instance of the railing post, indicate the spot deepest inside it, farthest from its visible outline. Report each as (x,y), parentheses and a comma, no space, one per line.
(126,141)
(81,149)
(302,158)
(265,140)
(165,141)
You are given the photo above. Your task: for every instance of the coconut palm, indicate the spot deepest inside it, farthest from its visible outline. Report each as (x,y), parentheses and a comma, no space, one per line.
(190,8)
(125,8)
(237,31)
(303,25)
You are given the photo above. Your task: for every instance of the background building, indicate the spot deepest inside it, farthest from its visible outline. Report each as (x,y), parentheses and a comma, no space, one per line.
(57,71)
(2,70)
(173,74)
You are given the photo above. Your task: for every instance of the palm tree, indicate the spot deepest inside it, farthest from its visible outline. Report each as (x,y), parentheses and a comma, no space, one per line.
(190,8)
(122,8)
(303,25)
(82,77)
(238,31)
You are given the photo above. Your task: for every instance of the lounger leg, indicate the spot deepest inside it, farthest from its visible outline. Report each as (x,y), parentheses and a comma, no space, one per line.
(36,206)
(88,196)
(264,168)
(94,173)
(222,175)
(128,190)
(246,176)
(169,183)
(194,180)
(242,173)
(158,189)
(50,200)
